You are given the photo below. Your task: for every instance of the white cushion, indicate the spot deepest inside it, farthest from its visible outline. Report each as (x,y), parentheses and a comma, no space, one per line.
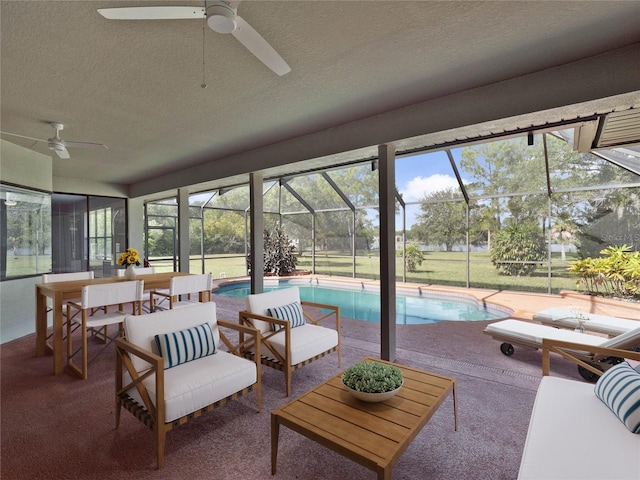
(534,333)
(141,329)
(194,385)
(568,318)
(307,341)
(568,426)
(619,389)
(258,303)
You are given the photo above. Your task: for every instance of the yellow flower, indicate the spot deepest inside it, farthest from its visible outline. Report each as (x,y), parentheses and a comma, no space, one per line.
(129,257)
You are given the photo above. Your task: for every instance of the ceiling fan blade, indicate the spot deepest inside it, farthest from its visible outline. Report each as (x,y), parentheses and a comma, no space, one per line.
(95,146)
(23,136)
(152,13)
(257,45)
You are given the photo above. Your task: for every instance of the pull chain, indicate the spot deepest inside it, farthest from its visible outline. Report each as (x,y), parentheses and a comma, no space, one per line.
(203,85)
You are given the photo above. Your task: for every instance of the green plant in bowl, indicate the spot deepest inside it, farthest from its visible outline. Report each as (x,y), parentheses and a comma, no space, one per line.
(372,381)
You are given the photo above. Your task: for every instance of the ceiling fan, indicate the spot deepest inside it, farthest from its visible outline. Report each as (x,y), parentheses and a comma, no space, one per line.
(222,17)
(58,145)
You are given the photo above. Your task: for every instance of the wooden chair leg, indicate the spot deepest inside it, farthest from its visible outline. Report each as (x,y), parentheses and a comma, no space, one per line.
(118,410)
(85,353)
(287,375)
(161,435)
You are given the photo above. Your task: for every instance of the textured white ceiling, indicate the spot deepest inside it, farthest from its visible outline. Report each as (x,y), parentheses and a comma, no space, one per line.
(135,86)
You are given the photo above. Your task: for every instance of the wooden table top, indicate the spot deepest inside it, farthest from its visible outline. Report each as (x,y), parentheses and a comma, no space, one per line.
(372,434)
(152,280)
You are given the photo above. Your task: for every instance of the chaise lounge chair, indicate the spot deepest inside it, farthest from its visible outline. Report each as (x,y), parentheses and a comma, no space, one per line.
(526,334)
(572,319)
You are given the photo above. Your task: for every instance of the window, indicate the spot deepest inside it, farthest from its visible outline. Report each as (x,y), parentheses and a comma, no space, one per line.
(25,226)
(107,233)
(88,233)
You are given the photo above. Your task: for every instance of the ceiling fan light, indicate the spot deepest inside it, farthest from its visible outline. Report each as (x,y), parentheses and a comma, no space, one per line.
(221,18)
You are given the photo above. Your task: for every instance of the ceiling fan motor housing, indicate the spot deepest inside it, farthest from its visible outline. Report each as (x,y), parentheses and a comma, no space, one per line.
(221,18)
(56,145)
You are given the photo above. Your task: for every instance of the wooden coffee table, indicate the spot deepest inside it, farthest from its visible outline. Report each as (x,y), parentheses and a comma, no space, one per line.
(373,434)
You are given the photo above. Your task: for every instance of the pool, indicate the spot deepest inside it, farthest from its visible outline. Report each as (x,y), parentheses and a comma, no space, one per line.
(364,303)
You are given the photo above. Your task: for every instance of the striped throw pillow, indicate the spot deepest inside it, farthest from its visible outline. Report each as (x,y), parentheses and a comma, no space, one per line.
(619,389)
(186,345)
(291,312)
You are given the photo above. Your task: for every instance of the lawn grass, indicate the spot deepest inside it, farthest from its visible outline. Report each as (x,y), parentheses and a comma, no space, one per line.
(449,268)
(438,268)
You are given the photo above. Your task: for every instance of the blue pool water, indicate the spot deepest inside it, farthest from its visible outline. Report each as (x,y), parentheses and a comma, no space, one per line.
(365,305)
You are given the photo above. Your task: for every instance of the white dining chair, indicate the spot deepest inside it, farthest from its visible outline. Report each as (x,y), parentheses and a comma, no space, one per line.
(146,295)
(181,291)
(99,298)
(139,271)
(64,277)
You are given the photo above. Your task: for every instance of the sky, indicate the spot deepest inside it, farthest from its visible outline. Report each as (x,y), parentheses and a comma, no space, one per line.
(417,176)
(422,174)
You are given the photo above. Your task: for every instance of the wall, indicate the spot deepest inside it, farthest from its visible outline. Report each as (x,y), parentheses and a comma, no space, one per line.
(26,168)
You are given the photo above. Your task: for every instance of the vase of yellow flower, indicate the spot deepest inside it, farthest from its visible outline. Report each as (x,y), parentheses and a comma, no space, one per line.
(130,259)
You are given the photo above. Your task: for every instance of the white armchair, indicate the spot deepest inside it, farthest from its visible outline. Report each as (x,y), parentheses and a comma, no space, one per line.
(165,381)
(290,330)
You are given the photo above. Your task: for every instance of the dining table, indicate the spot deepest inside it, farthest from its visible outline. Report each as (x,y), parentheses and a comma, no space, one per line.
(60,292)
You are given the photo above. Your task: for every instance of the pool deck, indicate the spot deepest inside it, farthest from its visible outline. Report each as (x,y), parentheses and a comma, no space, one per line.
(524,305)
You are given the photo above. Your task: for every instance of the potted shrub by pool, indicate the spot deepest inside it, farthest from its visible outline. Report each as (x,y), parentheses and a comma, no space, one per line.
(372,381)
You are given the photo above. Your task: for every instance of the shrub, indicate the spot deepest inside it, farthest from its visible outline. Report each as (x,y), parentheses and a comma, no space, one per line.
(617,272)
(413,257)
(279,252)
(518,243)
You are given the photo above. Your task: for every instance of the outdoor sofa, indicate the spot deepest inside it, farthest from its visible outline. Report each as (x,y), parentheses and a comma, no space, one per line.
(575,435)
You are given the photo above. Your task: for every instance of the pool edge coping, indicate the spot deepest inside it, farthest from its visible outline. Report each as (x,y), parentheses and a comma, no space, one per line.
(374,285)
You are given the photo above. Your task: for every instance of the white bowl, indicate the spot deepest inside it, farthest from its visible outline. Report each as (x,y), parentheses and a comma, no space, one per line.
(373,397)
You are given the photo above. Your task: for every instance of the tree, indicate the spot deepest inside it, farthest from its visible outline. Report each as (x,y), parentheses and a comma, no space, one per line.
(442,221)
(611,217)
(564,232)
(506,172)
(334,227)
(515,244)
(223,232)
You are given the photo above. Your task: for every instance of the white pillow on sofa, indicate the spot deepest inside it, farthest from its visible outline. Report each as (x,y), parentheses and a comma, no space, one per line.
(619,389)
(291,312)
(186,345)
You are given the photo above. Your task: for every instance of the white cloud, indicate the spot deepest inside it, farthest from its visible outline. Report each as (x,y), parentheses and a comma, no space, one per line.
(416,188)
